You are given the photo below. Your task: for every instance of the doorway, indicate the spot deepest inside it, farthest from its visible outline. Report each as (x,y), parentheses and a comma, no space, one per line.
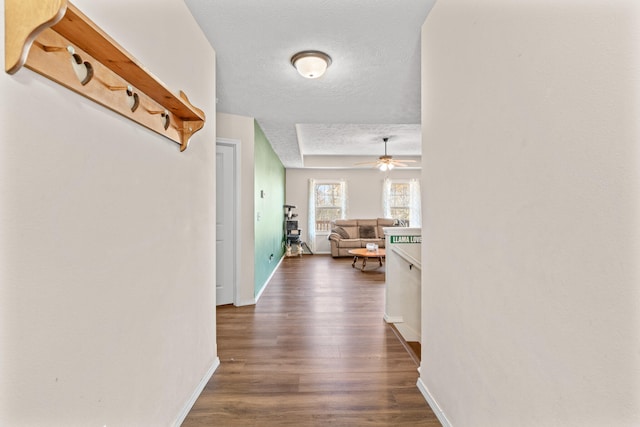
(226,223)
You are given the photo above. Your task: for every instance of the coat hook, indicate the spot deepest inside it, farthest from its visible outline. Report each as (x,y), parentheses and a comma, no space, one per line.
(117,87)
(110,86)
(82,69)
(53,48)
(164,114)
(49,49)
(132,98)
(166,119)
(410,266)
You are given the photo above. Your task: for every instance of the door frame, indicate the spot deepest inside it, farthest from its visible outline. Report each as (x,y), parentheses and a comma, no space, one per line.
(237,182)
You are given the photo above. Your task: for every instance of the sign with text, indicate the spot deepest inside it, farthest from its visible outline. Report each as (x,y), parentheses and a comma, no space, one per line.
(405,239)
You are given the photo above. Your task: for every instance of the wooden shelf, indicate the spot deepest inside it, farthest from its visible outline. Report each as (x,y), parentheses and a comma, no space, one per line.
(55,39)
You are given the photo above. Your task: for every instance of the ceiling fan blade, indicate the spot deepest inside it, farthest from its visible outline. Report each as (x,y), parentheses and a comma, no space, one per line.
(387,161)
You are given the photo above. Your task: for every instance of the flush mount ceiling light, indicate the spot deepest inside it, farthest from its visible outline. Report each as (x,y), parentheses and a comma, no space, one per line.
(311,63)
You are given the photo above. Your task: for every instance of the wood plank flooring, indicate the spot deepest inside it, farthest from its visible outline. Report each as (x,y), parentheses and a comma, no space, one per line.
(314,351)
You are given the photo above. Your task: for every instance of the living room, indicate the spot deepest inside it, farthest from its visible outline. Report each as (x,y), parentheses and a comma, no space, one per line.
(364,195)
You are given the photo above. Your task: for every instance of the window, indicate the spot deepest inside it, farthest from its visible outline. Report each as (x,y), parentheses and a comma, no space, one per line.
(401,201)
(328,203)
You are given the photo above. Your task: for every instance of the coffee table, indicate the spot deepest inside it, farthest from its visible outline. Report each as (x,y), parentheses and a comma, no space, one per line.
(366,254)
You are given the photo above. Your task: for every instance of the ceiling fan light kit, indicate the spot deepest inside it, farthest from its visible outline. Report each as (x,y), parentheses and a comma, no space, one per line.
(386,162)
(311,64)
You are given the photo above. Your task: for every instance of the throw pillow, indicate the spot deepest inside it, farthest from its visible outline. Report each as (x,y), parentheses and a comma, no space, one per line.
(367,232)
(341,232)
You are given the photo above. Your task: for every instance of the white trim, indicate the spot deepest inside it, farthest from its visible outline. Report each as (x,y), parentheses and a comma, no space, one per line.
(329,181)
(236,198)
(196,393)
(393,319)
(344,203)
(408,333)
(268,280)
(400,180)
(433,404)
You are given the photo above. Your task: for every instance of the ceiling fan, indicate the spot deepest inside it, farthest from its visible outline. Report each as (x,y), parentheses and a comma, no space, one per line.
(387,162)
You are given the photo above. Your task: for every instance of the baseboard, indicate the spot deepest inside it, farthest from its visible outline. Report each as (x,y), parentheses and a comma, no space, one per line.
(266,283)
(433,404)
(196,393)
(414,356)
(409,334)
(393,319)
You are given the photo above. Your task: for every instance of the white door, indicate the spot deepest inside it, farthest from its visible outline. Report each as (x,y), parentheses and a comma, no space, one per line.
(225,223)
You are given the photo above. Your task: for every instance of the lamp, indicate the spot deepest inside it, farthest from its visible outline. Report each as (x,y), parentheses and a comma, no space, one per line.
(311,63)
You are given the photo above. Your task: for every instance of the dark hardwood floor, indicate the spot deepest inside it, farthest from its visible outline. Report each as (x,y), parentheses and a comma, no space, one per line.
(314,351)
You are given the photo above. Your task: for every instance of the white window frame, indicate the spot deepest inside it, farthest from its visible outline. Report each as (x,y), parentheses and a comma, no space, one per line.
(415,211)
(312,233)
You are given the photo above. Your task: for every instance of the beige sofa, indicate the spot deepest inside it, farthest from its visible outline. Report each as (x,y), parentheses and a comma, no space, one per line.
(347,234)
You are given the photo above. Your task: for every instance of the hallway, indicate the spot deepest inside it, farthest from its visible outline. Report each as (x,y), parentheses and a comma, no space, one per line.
(314,351)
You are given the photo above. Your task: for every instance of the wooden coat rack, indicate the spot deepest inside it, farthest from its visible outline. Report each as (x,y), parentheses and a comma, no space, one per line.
(53,38)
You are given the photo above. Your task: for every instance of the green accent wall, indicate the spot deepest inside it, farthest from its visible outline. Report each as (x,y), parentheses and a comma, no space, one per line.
(269,214)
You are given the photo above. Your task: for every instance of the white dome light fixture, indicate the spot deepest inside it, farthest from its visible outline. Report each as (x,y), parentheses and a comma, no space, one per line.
(385,164)
(311,64)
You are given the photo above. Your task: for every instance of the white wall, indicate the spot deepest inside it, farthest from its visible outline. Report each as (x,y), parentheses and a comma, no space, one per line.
(531,240)
(242,129)
(403,281)
(364,192)
(107,245)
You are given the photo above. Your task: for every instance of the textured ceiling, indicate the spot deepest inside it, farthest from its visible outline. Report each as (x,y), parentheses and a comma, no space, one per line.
(371,90)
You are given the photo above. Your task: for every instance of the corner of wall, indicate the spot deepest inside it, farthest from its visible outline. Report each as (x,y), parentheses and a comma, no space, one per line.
(269,214)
